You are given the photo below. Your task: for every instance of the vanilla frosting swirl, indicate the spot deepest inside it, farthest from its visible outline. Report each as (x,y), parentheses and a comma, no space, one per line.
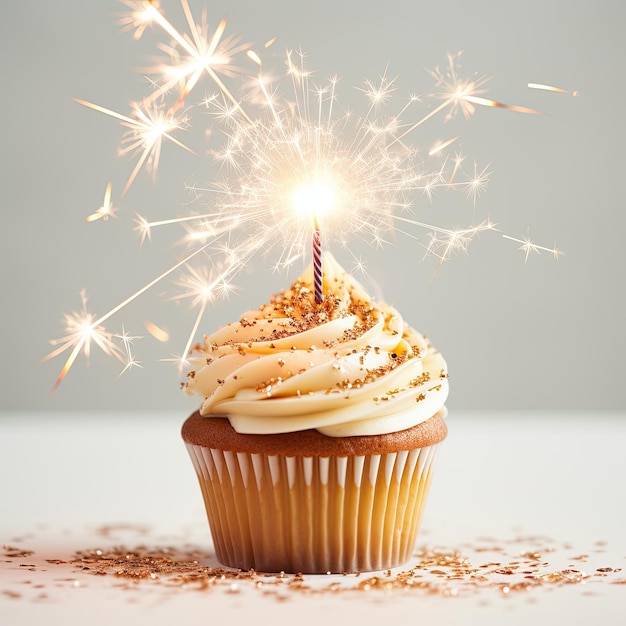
(345,367)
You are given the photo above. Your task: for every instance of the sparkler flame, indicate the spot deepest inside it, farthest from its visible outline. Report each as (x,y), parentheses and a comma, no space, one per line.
(285,154)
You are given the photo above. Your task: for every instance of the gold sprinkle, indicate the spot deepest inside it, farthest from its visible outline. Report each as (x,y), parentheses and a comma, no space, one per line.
(431,571)
(16,553)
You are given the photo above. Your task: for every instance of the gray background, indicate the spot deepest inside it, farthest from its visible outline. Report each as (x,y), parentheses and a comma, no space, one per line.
(516,336)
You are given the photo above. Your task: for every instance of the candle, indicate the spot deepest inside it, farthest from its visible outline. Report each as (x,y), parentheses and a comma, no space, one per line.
(317,261)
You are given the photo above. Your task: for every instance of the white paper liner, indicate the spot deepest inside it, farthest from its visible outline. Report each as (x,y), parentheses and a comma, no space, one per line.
(278,513)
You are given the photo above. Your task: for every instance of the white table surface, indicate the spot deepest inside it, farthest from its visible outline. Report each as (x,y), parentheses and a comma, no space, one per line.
(548,482)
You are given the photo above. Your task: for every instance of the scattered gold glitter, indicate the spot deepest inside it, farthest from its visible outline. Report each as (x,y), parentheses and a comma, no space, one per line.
(176,566)
(16,553)
(484,566)
(436,571)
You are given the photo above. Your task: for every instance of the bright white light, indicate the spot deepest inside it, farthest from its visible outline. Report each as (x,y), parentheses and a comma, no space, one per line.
(314,198)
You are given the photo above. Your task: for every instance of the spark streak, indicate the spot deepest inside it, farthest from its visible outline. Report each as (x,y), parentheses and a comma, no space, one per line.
(82,331)
(528,246)
(147,129)
(551,88)
(158,333)
(494,103)
(444,144)
(106,210)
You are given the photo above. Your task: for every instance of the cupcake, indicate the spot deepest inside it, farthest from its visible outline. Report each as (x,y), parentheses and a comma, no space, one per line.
(319,424)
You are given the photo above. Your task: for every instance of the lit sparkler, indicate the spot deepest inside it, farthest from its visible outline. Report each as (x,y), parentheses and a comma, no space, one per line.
(293,164)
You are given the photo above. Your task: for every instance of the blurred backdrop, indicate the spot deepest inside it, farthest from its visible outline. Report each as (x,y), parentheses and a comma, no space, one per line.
(517,335)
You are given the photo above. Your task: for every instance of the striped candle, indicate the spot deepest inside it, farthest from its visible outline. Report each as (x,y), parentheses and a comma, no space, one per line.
(317,262)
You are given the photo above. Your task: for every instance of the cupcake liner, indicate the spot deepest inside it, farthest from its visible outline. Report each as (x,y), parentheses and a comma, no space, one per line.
(313,514)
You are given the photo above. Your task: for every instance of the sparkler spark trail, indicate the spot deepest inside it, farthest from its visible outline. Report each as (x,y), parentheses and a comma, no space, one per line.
(149,125)
(551,88)
(82,330)
(528,246)
(291,158)
(441,146)
(127,341)
(158,333)
(106,210)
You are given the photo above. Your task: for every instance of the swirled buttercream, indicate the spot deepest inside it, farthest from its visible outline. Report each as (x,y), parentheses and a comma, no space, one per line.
(347,366)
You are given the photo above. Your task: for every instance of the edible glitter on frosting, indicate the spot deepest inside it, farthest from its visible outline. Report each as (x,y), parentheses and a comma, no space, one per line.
(347,366)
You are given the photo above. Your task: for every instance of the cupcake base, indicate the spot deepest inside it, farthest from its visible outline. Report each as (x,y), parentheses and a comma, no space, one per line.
(303,502)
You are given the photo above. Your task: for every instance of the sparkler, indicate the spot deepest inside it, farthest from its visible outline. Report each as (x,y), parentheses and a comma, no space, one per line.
(289,160)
